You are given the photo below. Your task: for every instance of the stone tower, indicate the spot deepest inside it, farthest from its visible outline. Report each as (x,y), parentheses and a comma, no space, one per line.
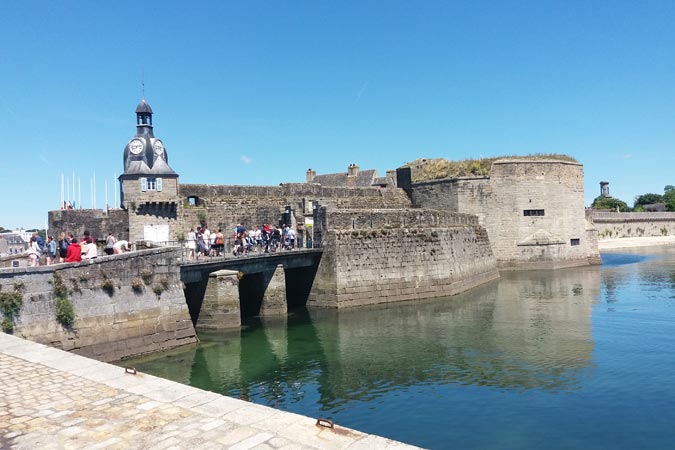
(604,189)
(149,187)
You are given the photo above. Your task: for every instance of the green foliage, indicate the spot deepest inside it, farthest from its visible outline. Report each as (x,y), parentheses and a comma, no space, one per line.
(609,203)
(137,285)
(158,289)
(203,217)
(669,198)
(108,286)
(439,168)
(65,311)
(58,286)
(10,306)
(646,199)
(147,274)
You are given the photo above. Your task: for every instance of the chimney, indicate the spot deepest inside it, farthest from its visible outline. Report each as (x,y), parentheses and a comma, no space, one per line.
(352,170)
(311,173)
(604,189)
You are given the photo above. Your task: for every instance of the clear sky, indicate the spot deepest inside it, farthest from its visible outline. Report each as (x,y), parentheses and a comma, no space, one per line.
(257,92)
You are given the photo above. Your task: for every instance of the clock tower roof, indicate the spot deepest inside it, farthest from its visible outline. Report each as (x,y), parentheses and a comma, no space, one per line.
(143,107)
(144,154)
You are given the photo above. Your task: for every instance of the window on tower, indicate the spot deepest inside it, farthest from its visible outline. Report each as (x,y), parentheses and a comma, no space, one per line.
(151,184)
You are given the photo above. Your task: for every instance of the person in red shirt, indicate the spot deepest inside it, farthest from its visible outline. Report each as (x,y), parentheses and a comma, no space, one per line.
(74,252)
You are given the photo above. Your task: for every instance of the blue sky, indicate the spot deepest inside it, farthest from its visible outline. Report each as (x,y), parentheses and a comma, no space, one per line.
(258,92)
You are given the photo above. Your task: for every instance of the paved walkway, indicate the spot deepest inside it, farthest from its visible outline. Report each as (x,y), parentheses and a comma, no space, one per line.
(51,399)
(635,242)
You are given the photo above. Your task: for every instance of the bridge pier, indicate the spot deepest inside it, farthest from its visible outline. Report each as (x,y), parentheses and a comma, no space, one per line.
(274,299)
(220,308)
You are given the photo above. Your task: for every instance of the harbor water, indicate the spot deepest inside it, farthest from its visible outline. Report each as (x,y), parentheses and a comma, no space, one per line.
(574,358)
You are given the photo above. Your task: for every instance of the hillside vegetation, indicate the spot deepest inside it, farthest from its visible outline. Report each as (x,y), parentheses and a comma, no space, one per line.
(439,168)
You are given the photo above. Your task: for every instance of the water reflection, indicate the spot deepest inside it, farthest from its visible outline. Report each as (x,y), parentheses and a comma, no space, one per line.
(527,331)
(575,358)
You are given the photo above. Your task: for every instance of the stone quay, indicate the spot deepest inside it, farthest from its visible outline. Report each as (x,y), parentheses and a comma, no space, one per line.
(52,399)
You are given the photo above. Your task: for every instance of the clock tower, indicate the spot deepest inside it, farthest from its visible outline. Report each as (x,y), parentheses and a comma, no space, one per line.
(149,187)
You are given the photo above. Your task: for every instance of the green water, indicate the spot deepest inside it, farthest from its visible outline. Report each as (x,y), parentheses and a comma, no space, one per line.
(577,358)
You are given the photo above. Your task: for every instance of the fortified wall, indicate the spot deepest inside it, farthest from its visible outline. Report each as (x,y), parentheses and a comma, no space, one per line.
(224,206)
(383,256)
(121,308)
(632,224)
(96,221)
(533,211)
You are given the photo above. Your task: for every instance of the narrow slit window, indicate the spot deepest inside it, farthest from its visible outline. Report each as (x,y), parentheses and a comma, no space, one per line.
(575,241)
(533,212)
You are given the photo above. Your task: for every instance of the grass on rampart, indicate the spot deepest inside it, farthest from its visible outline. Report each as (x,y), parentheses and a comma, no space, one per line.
(439,168)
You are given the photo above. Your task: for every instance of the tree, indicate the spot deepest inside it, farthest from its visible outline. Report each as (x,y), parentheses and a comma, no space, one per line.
(669,197)
(609,203)
(647,199)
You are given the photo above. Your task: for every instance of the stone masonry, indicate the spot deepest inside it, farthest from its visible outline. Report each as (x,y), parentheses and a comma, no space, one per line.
(53,400)
(533,211)
(124,305)
(397,255)
(634,224)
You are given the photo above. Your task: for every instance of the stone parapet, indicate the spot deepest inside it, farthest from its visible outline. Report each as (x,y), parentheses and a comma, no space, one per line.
(370,266)
(124,305)
(632,224)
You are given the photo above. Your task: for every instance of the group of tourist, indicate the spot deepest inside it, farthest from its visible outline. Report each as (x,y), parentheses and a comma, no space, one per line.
(69,249)
(267,238)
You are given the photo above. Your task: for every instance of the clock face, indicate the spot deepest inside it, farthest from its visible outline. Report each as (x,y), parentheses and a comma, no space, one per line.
(136,146)
(158,147)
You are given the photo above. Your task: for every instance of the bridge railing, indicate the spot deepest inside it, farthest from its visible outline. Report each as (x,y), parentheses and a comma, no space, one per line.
(188,254)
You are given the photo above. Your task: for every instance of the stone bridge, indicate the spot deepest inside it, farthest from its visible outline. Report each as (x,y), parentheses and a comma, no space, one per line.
(220,291)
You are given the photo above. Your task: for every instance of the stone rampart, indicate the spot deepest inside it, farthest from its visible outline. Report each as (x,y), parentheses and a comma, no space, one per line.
(122,307)
(632,224)
(223,206)
(533,211)
(96,221)
(387,256)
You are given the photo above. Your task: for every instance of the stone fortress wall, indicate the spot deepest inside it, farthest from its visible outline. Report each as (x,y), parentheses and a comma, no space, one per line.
(224,206)
(96,221)
(533,211)
(111,323)
(631,224)
(383,256)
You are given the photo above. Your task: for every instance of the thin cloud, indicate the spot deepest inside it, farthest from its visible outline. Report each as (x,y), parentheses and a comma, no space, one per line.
(628,155)
(245,159)
(361,91)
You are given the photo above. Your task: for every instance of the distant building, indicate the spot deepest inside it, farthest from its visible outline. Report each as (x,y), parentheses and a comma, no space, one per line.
(14,242)
(354,177)
(654,207)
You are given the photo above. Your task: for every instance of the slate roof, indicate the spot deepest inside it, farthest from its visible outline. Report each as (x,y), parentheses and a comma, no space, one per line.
(655,207)
(143,107)
(383,182)
(363,179)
